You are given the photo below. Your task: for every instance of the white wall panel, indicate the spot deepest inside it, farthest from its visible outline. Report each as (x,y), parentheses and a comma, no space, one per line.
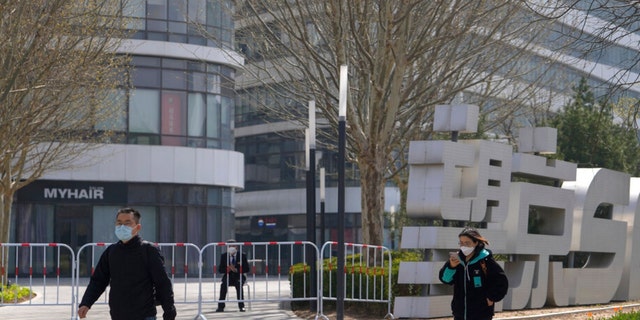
(138,164)
(206,166)
(181,51)
(163,163)
(184,166)
(157,164)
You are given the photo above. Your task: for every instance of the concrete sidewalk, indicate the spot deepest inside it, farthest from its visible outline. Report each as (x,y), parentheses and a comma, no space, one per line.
(45,305)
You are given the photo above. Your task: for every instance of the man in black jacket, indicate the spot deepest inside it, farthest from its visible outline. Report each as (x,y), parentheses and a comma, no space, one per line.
(233,264)
(134,270)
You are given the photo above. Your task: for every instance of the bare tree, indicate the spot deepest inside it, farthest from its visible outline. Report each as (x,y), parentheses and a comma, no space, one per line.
(58,79)
(404,58)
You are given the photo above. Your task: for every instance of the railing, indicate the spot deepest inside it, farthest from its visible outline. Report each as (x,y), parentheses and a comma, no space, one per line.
(32,265)
(367,274)
(269,278)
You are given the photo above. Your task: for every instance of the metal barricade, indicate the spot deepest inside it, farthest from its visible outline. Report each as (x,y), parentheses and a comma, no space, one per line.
(31,265)
(96,250)
(268,277)
(178,258)
(364,272)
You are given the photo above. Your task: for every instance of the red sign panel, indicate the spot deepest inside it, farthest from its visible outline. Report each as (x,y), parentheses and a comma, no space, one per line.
(172,114)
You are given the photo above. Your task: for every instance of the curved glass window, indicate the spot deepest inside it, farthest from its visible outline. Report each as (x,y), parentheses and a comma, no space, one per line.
(184,21)
(181,103)
(143,111)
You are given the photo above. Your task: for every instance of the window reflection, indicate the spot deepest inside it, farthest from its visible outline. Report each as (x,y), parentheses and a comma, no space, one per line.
(169,106)
(143,111)
(182,21)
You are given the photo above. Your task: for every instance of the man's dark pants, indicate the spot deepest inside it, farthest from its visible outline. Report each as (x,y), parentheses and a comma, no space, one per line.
(223,293)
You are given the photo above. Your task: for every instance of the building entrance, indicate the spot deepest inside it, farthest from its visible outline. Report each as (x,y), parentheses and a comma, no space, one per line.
(73,226)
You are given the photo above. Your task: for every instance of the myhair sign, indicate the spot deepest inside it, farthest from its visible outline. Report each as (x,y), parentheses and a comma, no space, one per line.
(74,192)
(567,234)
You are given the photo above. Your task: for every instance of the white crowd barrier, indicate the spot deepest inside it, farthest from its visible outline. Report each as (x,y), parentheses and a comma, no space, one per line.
(364,273)
(195,276)
(43,268)
(274,263)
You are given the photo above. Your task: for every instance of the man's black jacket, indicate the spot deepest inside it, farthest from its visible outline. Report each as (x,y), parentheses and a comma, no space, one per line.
(132,269)
(242,266)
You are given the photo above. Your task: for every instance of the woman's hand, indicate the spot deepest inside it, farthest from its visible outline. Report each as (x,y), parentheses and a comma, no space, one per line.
(489,302)
(454,260)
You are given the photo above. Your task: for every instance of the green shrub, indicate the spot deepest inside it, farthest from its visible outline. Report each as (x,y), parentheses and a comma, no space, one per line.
(633,315)
(372,281)
(14,293)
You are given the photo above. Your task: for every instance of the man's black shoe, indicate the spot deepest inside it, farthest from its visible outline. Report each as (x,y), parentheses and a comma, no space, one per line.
(241,309)
(219,310)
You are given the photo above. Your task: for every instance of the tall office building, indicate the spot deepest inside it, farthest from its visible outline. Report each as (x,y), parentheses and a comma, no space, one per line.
(272,205)
(175,160)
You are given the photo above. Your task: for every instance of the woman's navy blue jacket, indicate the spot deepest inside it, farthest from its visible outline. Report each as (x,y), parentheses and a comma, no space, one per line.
(473,283)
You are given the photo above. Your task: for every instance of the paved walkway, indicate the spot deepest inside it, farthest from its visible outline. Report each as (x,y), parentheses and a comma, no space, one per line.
(44,306)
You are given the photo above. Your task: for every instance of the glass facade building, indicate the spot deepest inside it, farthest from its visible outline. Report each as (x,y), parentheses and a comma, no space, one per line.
(172,157)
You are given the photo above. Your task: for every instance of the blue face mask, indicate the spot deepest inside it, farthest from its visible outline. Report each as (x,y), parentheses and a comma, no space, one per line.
(124,233)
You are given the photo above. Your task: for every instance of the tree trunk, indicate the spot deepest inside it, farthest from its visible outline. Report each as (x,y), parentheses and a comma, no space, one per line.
(400,218)
(5,221)
(372,182)
(5,229)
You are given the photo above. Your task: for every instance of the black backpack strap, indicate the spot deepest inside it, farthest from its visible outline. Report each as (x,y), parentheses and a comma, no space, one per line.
(146,246)
(145,256)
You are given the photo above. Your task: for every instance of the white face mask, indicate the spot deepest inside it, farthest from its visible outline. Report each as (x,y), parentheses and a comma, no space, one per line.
(124,233)
(232,250)
(467,250)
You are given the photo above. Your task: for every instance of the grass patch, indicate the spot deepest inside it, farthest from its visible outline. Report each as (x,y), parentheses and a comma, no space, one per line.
(619,315)
(634,315)
(15,294)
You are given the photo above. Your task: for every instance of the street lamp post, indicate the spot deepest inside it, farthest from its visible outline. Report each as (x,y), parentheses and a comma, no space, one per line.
(342,126)
(311,194)
(311,174)
(322,198)
(392,213)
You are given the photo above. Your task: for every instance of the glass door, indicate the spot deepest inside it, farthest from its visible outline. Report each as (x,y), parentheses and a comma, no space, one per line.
(73,227)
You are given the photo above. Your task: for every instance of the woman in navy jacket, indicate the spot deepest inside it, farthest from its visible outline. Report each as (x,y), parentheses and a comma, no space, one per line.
(478,281)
